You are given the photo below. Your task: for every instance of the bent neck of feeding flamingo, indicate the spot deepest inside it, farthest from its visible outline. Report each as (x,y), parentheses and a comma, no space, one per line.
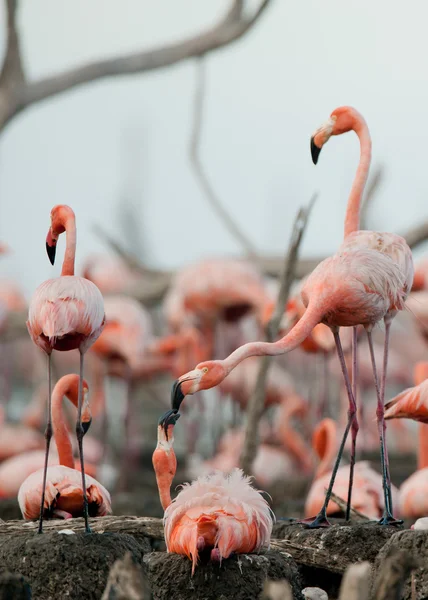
(70,247)
(352,217)
(60,430)
(165,464)
(294,338)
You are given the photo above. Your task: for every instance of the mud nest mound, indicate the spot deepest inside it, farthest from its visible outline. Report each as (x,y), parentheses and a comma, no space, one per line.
(407,546)
(14,585)
(239,577)
(74,566)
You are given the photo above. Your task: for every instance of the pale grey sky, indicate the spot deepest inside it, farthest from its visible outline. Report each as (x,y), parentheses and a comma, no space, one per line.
(266,95)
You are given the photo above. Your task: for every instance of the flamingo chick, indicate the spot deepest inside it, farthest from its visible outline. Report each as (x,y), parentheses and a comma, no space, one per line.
(218,513)
(63,497)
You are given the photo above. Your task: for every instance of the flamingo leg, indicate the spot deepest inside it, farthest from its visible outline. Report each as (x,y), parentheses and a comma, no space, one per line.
(387,321)
(80,432)
(48,437)
(321,519)
(354,426)
(387,517)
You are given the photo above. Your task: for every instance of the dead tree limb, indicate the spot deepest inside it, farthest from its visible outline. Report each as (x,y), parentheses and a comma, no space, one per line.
(199,171)
(371,190)
(17,93)
(256,402)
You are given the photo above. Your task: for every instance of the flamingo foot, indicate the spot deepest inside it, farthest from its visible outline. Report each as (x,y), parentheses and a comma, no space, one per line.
(315,522)
(200,544)
(215,555)
(62,514)
(389,520)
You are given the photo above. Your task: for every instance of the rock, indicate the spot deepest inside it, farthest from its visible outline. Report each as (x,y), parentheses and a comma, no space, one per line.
(277,590)
(312,593)
(14,585)
(67,566)
(9,509)
(356,582)
(240,577)
(126,581)
(403,552)
(333,548)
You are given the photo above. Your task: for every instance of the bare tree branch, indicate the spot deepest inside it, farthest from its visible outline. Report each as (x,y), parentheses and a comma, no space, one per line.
(257,399)
(201,176)
(229,29)
(371,190)
(12,72)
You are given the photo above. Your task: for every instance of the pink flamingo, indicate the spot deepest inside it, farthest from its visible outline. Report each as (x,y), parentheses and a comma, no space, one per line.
(216,513)
(16,438)
(413,404)
(65,313)
(368,493)
(365,282)
(62,493)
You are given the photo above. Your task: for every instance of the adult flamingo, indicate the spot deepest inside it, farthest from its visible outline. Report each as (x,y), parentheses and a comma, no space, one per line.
(413,404)
(218,513)
(64,497)
(366,281)
(66,313)
(368,493)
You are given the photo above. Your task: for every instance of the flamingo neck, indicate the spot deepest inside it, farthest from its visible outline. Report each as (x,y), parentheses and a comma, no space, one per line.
(165,465)
(292,340)
(60,430)
(423,446)
(70,247)
(324,443)
(352,217)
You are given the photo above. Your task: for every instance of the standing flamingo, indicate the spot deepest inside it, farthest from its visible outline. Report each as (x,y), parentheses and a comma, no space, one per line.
(363,283)
(217,513)
(65,313)
(64,497)
(413,404)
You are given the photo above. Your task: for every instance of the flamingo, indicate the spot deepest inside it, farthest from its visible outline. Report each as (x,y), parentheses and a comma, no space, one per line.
(63,497)
(65,313)
(413,404)
(368,493)
(364,282)
(16,438)
(218,513)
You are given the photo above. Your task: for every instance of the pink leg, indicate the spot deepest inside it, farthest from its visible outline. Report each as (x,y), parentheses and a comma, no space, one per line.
(387,321)
(48,437)
(388,518)
(354,426)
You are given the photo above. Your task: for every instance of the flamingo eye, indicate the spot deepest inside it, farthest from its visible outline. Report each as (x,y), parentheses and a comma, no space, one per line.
(205,370)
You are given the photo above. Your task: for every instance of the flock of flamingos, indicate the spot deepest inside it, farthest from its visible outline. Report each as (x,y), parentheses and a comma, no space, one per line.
(367,281)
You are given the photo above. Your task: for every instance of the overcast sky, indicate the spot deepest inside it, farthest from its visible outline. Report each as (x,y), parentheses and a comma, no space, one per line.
(128,137)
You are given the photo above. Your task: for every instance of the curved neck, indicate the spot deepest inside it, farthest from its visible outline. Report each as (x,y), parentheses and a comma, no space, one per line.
(70,247)
(165,465)
(423,446)
(294,338)
(352,217)
(60,430)
(324,443)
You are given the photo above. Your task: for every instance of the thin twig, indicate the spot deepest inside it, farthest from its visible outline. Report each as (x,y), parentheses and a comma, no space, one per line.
(256,402)
(342,504)
(199,171)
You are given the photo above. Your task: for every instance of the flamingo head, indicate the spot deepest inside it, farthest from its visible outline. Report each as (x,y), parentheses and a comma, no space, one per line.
(72,393)
(341,120)
(166,426)
(206,375)
(60,215)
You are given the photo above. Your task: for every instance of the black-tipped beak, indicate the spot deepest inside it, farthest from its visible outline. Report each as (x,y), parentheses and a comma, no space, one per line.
(177,395)
(169,418)
(51,250)
(86,425)
(315,151)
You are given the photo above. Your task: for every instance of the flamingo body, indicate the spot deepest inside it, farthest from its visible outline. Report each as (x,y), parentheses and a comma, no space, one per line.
(218,512)
(66,313)
(63,496)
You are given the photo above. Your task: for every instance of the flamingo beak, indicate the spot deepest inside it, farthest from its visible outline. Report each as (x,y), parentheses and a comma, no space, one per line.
(86,425)
(51,246)
(169,418)
(177,395)
(315,151)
